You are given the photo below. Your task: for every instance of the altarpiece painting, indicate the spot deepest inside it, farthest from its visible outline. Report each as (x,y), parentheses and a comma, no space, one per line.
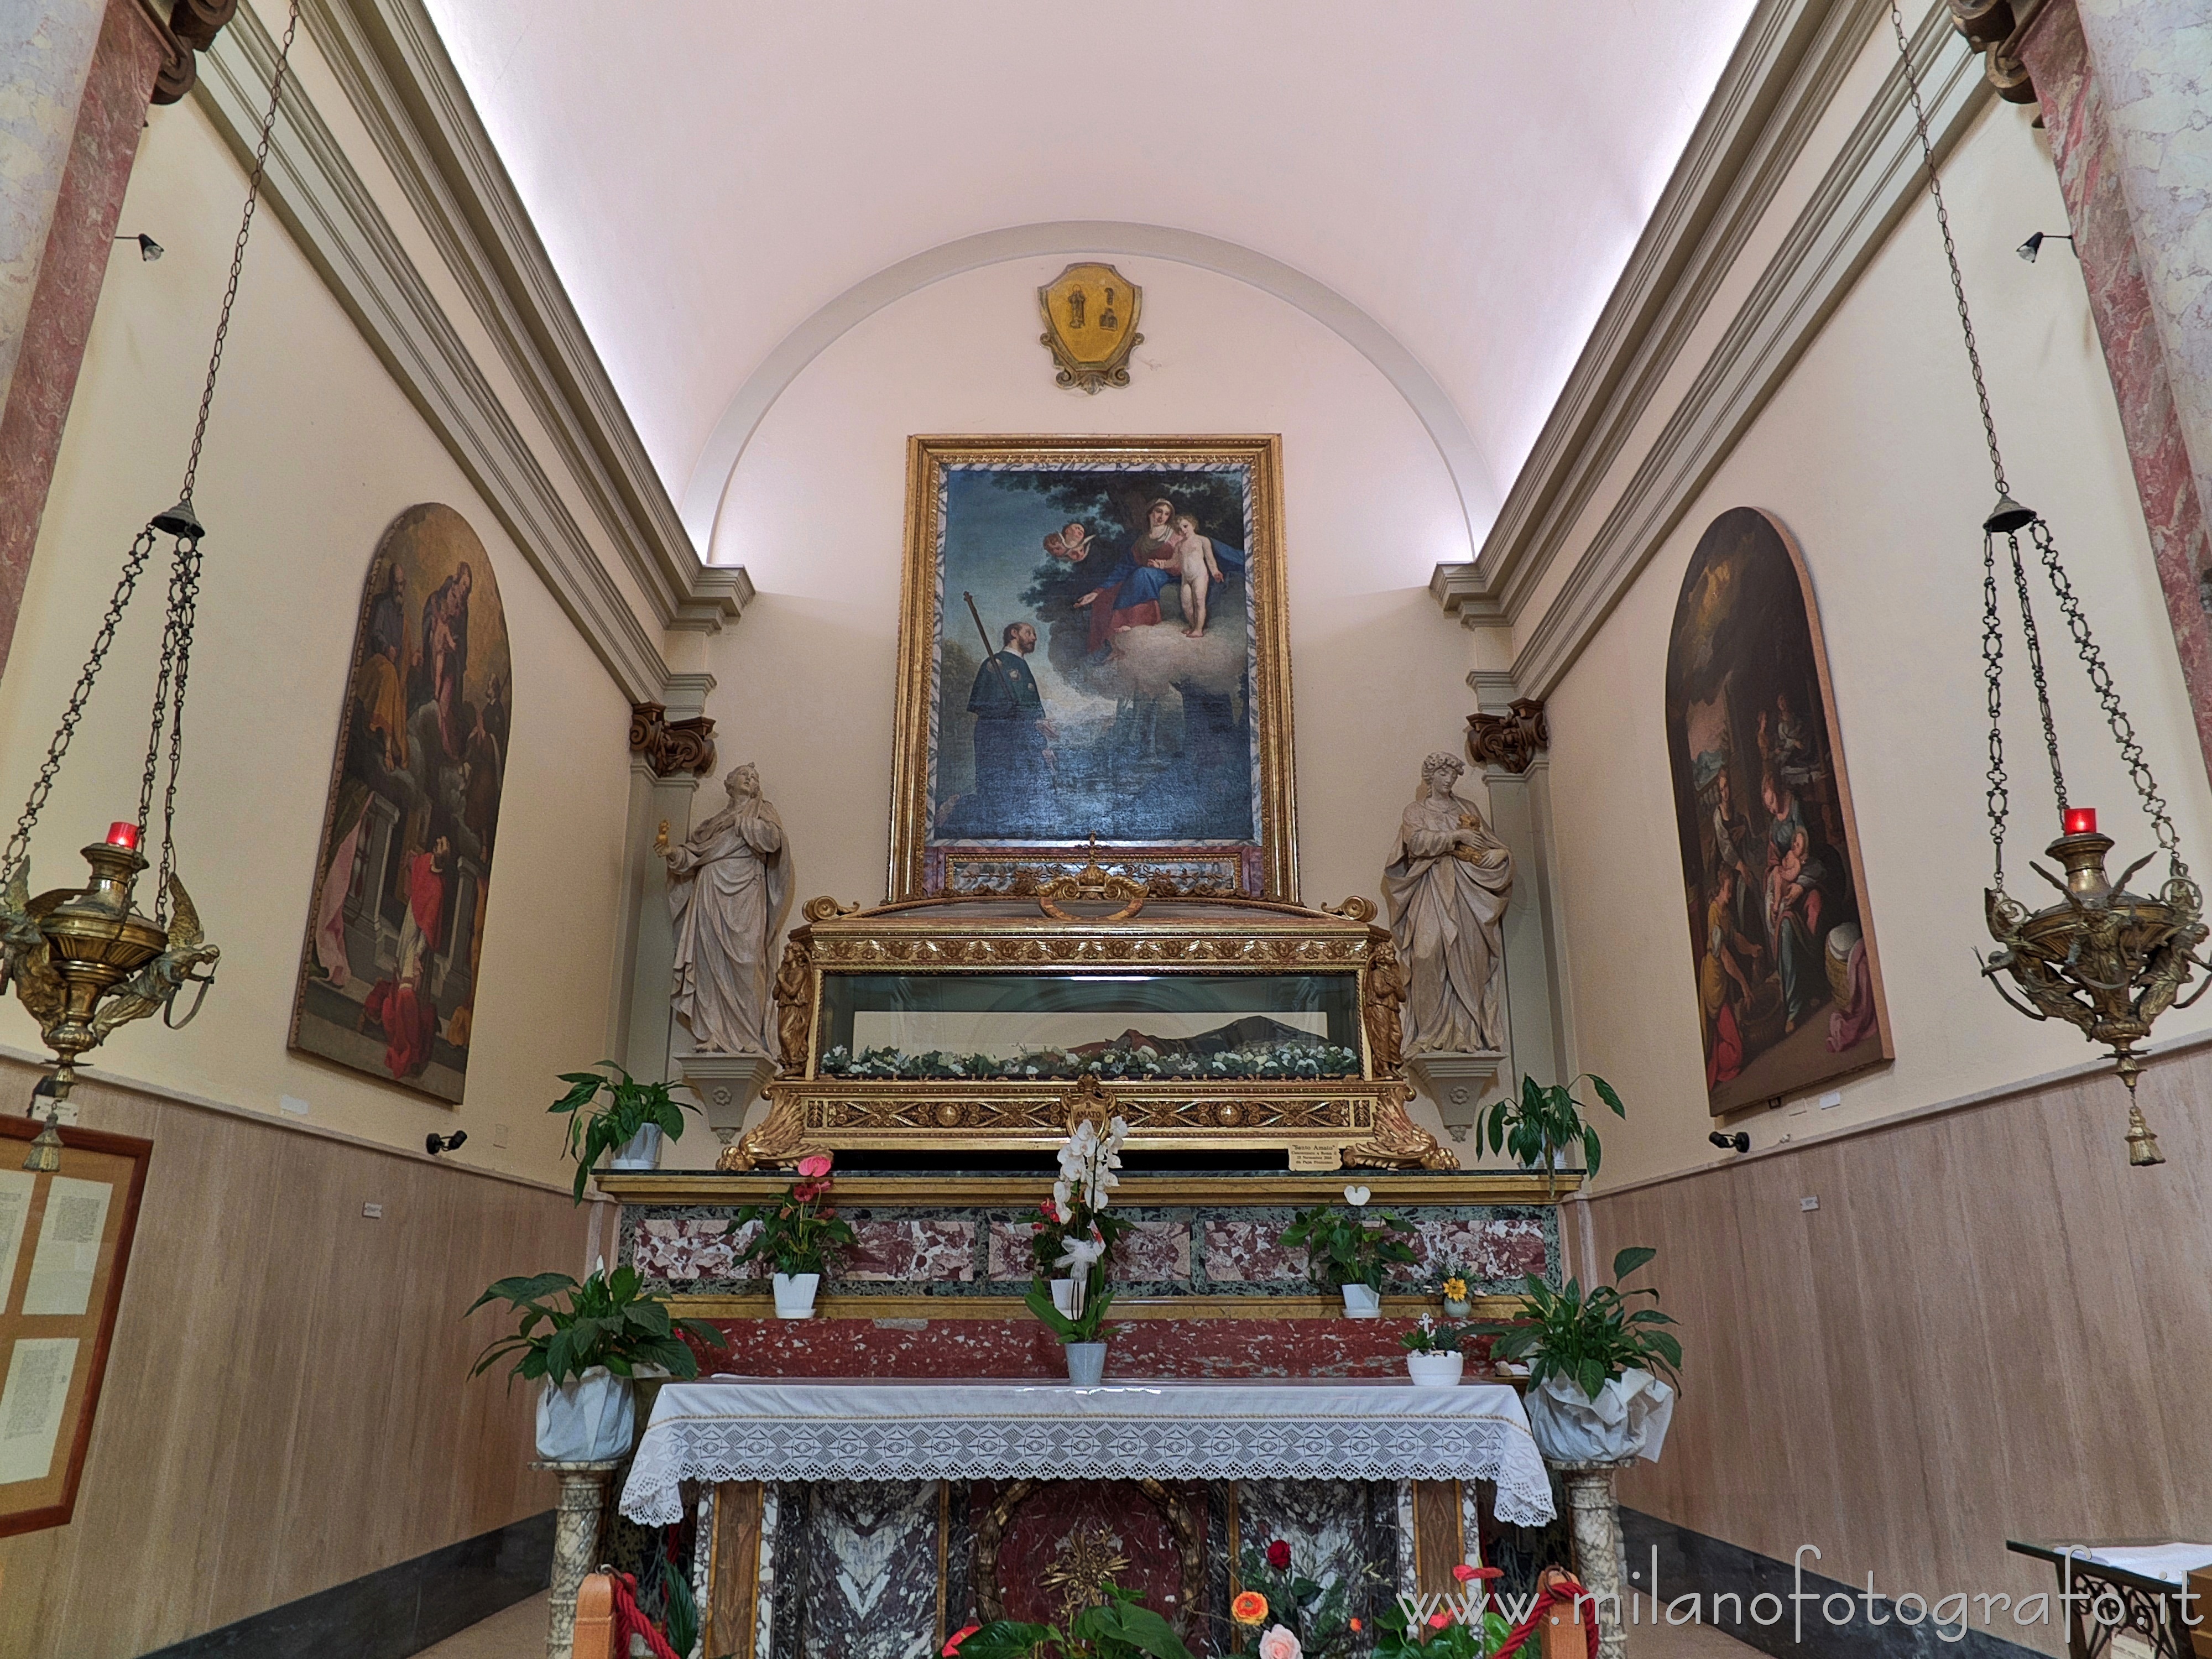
(395,922)
(1789,983)
(1093,645)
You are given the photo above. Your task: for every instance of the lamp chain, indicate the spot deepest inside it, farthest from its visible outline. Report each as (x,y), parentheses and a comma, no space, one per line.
(183,579)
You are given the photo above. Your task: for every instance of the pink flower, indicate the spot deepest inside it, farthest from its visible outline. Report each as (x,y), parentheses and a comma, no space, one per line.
(1440,1620)
(1462,1572)
(1279,1642)
(815,1167)
(952,1647)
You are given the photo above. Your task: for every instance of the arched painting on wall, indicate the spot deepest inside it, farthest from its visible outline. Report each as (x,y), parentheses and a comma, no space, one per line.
(395,924)
(1789,982)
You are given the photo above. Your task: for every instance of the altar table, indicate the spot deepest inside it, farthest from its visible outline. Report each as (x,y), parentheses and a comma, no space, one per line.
(747,1429)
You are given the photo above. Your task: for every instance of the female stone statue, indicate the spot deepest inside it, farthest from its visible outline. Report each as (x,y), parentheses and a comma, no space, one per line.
(729,885)
(1447,887)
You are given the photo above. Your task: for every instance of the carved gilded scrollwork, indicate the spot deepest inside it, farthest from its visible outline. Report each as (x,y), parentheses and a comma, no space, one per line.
(1386,988)
(1182,1523)
(776,1144)
(1399,1143)
(794,1003)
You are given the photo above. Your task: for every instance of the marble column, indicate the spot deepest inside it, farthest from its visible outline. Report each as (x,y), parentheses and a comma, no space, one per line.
(1594,1513)
(2123,90)
(78,77)
(576,1522)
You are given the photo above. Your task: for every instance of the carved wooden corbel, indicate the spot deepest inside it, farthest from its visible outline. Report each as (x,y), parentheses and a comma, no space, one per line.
(1510,740)
(671,746)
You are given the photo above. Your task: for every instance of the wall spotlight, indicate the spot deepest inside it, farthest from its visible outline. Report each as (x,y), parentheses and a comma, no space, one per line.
(1738,1142)
(435,1145)
(2033,245)
(148,249)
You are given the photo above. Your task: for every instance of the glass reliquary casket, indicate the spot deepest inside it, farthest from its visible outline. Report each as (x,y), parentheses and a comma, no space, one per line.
(957,1024)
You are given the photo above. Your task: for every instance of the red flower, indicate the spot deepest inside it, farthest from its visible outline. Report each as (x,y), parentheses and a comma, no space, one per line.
(1487,1574)
(1440,1620)
(1462,1572)
(1279,1556)
(952,1647)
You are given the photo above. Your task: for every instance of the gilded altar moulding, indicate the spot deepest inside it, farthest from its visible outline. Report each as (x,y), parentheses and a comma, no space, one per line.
(1322,1122)
(1091,325)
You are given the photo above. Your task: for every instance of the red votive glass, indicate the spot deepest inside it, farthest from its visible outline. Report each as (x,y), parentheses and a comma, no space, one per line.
(2080,820)
(123,832)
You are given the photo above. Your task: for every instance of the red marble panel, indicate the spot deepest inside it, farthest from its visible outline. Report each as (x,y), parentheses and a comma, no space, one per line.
(1061,1534)
(1018,1348)
(692,1247)
(1007,1252)
(1247,1253)
(2089,172)
(78,246)
(928,1252)
(1151,1252)
(1493,1250)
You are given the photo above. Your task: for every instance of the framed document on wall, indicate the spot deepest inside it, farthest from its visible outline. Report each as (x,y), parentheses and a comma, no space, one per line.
(1094,665)
(65,1242)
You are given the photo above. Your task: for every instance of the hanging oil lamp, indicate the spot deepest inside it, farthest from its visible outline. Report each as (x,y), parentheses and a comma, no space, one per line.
(2102,957)
(85,961)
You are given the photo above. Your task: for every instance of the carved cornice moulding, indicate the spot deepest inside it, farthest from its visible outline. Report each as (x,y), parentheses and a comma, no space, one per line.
(1794,56)
(187,29)
(671,746)
(406,101)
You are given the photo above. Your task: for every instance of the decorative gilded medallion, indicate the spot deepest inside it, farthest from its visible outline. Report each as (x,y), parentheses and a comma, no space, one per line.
(1091,325)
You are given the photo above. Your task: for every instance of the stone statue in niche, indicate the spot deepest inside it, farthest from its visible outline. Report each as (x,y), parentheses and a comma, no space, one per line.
(729,886)
(1447,886)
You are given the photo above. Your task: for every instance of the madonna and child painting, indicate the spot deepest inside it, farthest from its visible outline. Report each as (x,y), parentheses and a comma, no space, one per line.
(1094,648)
(395,927)
(1788,985)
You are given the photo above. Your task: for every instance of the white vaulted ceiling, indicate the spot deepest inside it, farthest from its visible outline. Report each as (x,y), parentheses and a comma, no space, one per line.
(1463,179)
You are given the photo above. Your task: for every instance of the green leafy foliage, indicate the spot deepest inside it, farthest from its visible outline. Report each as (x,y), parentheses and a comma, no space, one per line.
(800,1231)
(1433,1335)
(1319,1615)
(1591,1339)
(605,1323)
(1349,1246)
(1086,1327)
(632,1106)
(1403,1633)
(1547,1118)
(1120,1628)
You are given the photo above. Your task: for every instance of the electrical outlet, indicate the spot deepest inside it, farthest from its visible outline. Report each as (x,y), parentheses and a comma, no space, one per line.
(1809,1203)
(1833,1097)
(499,1134)
(373,1212)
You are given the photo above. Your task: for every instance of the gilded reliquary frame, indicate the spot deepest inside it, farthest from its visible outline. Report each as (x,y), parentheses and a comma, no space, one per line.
(1143,708)
(1334,964)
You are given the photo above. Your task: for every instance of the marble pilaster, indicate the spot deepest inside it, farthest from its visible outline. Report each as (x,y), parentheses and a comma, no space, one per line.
(2117,265)
(78,76)
(1594,1514)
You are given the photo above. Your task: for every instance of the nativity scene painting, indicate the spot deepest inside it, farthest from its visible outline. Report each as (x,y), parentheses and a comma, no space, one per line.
(1099,652)
(1788,984)
(395,926)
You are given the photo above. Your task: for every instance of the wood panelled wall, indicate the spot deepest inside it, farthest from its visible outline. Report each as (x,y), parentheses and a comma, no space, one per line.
(1990,1327)
(288,1406)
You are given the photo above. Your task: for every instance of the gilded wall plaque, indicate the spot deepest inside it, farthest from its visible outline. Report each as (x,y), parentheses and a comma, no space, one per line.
(1091,325)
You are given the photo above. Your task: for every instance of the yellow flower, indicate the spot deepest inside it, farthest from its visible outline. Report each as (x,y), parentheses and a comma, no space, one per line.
(1455,1289)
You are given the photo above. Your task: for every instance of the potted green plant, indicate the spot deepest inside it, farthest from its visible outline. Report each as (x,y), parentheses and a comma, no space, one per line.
(1350,1249)
(798,1233)
(1073,1232)
(1433,1359)
(585,1351)
(1119,1627)
(629,1126)
(1602,1373)
(1545,1122)
(1451,1286)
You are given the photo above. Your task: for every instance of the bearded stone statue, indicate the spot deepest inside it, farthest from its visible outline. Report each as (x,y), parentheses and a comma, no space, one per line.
(1447,885)
(729,887)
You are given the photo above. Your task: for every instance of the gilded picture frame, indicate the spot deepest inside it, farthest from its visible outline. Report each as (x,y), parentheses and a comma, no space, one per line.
(1094,660)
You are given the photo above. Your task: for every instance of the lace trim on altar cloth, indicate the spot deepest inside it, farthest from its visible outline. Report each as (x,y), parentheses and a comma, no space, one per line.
(685,1443)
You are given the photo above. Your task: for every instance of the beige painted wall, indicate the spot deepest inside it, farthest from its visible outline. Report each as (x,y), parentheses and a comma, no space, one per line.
(313,451)
(815,510)
(1871,454)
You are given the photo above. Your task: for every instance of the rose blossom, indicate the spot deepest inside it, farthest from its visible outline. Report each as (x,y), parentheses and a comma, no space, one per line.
(1279,1556)
(1249,1609)
(1280,1643)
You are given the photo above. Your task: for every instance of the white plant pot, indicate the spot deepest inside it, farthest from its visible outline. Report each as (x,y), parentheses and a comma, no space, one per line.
(641,1151)
(1628,1418)
(1361,1303)
(1457,1309)
(1436,1370)
(587,1419)
(1086,1363)
(1063,1297)
(794,1295)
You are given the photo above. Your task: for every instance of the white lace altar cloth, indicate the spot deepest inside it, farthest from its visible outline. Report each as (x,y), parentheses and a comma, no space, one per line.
(830,1429)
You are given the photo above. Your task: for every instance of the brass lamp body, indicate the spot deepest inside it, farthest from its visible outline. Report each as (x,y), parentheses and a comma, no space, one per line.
(2102,958)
